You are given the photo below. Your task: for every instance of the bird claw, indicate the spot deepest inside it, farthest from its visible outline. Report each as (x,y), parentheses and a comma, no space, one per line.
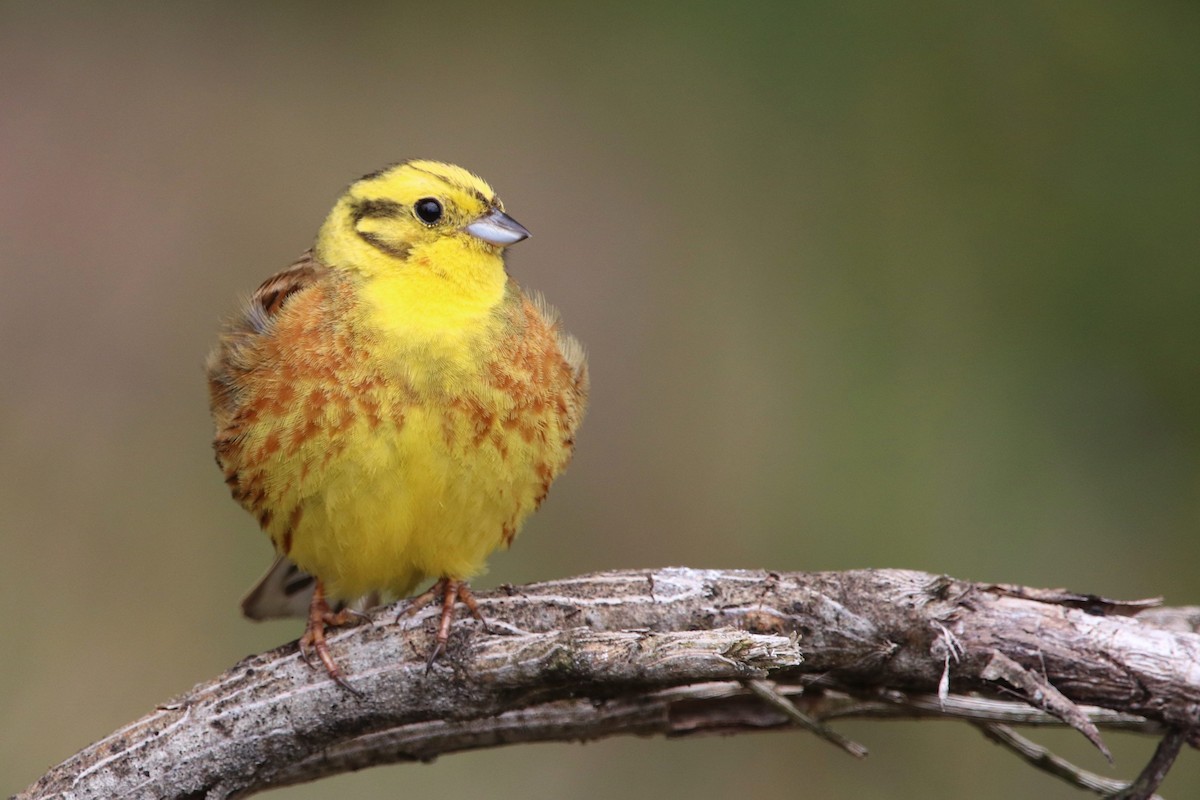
(359,617)
(452,591)
(433,654)
(313,641)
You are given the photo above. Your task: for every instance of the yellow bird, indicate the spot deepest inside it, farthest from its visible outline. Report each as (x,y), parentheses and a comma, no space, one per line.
(392,406)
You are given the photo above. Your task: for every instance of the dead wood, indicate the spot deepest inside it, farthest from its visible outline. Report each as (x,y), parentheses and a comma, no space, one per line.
(673,652)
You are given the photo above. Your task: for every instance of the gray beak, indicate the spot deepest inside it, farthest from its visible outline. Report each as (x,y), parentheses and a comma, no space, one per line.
(497,228)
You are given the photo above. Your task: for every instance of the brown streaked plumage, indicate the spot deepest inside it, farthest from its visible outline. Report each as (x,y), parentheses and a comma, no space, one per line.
(392,406)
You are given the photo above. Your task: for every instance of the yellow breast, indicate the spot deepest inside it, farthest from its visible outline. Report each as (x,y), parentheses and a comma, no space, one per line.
(392,456)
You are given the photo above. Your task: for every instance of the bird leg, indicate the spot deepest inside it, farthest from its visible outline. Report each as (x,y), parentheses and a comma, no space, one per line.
(313,640)
(452,590)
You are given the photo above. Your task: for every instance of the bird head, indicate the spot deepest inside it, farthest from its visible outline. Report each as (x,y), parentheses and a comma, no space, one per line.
(418,215)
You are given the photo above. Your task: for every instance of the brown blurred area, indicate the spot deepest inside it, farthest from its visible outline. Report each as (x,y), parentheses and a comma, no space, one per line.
(862,285)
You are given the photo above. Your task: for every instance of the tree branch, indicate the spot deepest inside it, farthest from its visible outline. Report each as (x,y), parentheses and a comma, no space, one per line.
(673,652)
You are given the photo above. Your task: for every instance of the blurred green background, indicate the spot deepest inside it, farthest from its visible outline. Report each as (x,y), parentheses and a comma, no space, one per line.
(863,284)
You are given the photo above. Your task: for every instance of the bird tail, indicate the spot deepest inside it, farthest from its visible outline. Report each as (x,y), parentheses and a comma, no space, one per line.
(284,591)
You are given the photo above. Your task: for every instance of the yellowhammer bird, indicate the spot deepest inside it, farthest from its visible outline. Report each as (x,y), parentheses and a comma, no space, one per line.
(393,406)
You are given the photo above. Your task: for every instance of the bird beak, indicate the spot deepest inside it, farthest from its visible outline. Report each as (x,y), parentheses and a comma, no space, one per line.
(497,228)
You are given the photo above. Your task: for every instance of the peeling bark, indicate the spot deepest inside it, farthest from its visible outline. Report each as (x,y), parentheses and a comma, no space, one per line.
(669,651)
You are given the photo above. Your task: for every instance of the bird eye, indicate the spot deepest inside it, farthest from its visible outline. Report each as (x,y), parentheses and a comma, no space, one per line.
(428,210)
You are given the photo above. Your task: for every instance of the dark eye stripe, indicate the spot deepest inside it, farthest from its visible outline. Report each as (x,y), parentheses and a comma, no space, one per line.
(376,209)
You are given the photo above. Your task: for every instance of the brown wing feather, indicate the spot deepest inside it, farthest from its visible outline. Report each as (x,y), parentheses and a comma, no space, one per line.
(233,357)
(284,590)
(239,353)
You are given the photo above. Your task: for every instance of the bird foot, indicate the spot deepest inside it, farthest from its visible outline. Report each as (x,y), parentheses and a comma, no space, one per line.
(452,591)
(320,616)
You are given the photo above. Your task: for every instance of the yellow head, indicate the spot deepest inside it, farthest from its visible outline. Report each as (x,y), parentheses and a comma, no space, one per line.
(429,236)
(413,211)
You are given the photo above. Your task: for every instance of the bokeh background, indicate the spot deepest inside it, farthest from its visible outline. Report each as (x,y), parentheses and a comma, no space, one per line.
(863,284)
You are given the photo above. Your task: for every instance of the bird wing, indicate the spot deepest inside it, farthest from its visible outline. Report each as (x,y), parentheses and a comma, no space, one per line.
(285,590)
(234,354)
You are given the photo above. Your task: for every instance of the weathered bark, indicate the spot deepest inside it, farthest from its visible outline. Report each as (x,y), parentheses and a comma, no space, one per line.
(673,651)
